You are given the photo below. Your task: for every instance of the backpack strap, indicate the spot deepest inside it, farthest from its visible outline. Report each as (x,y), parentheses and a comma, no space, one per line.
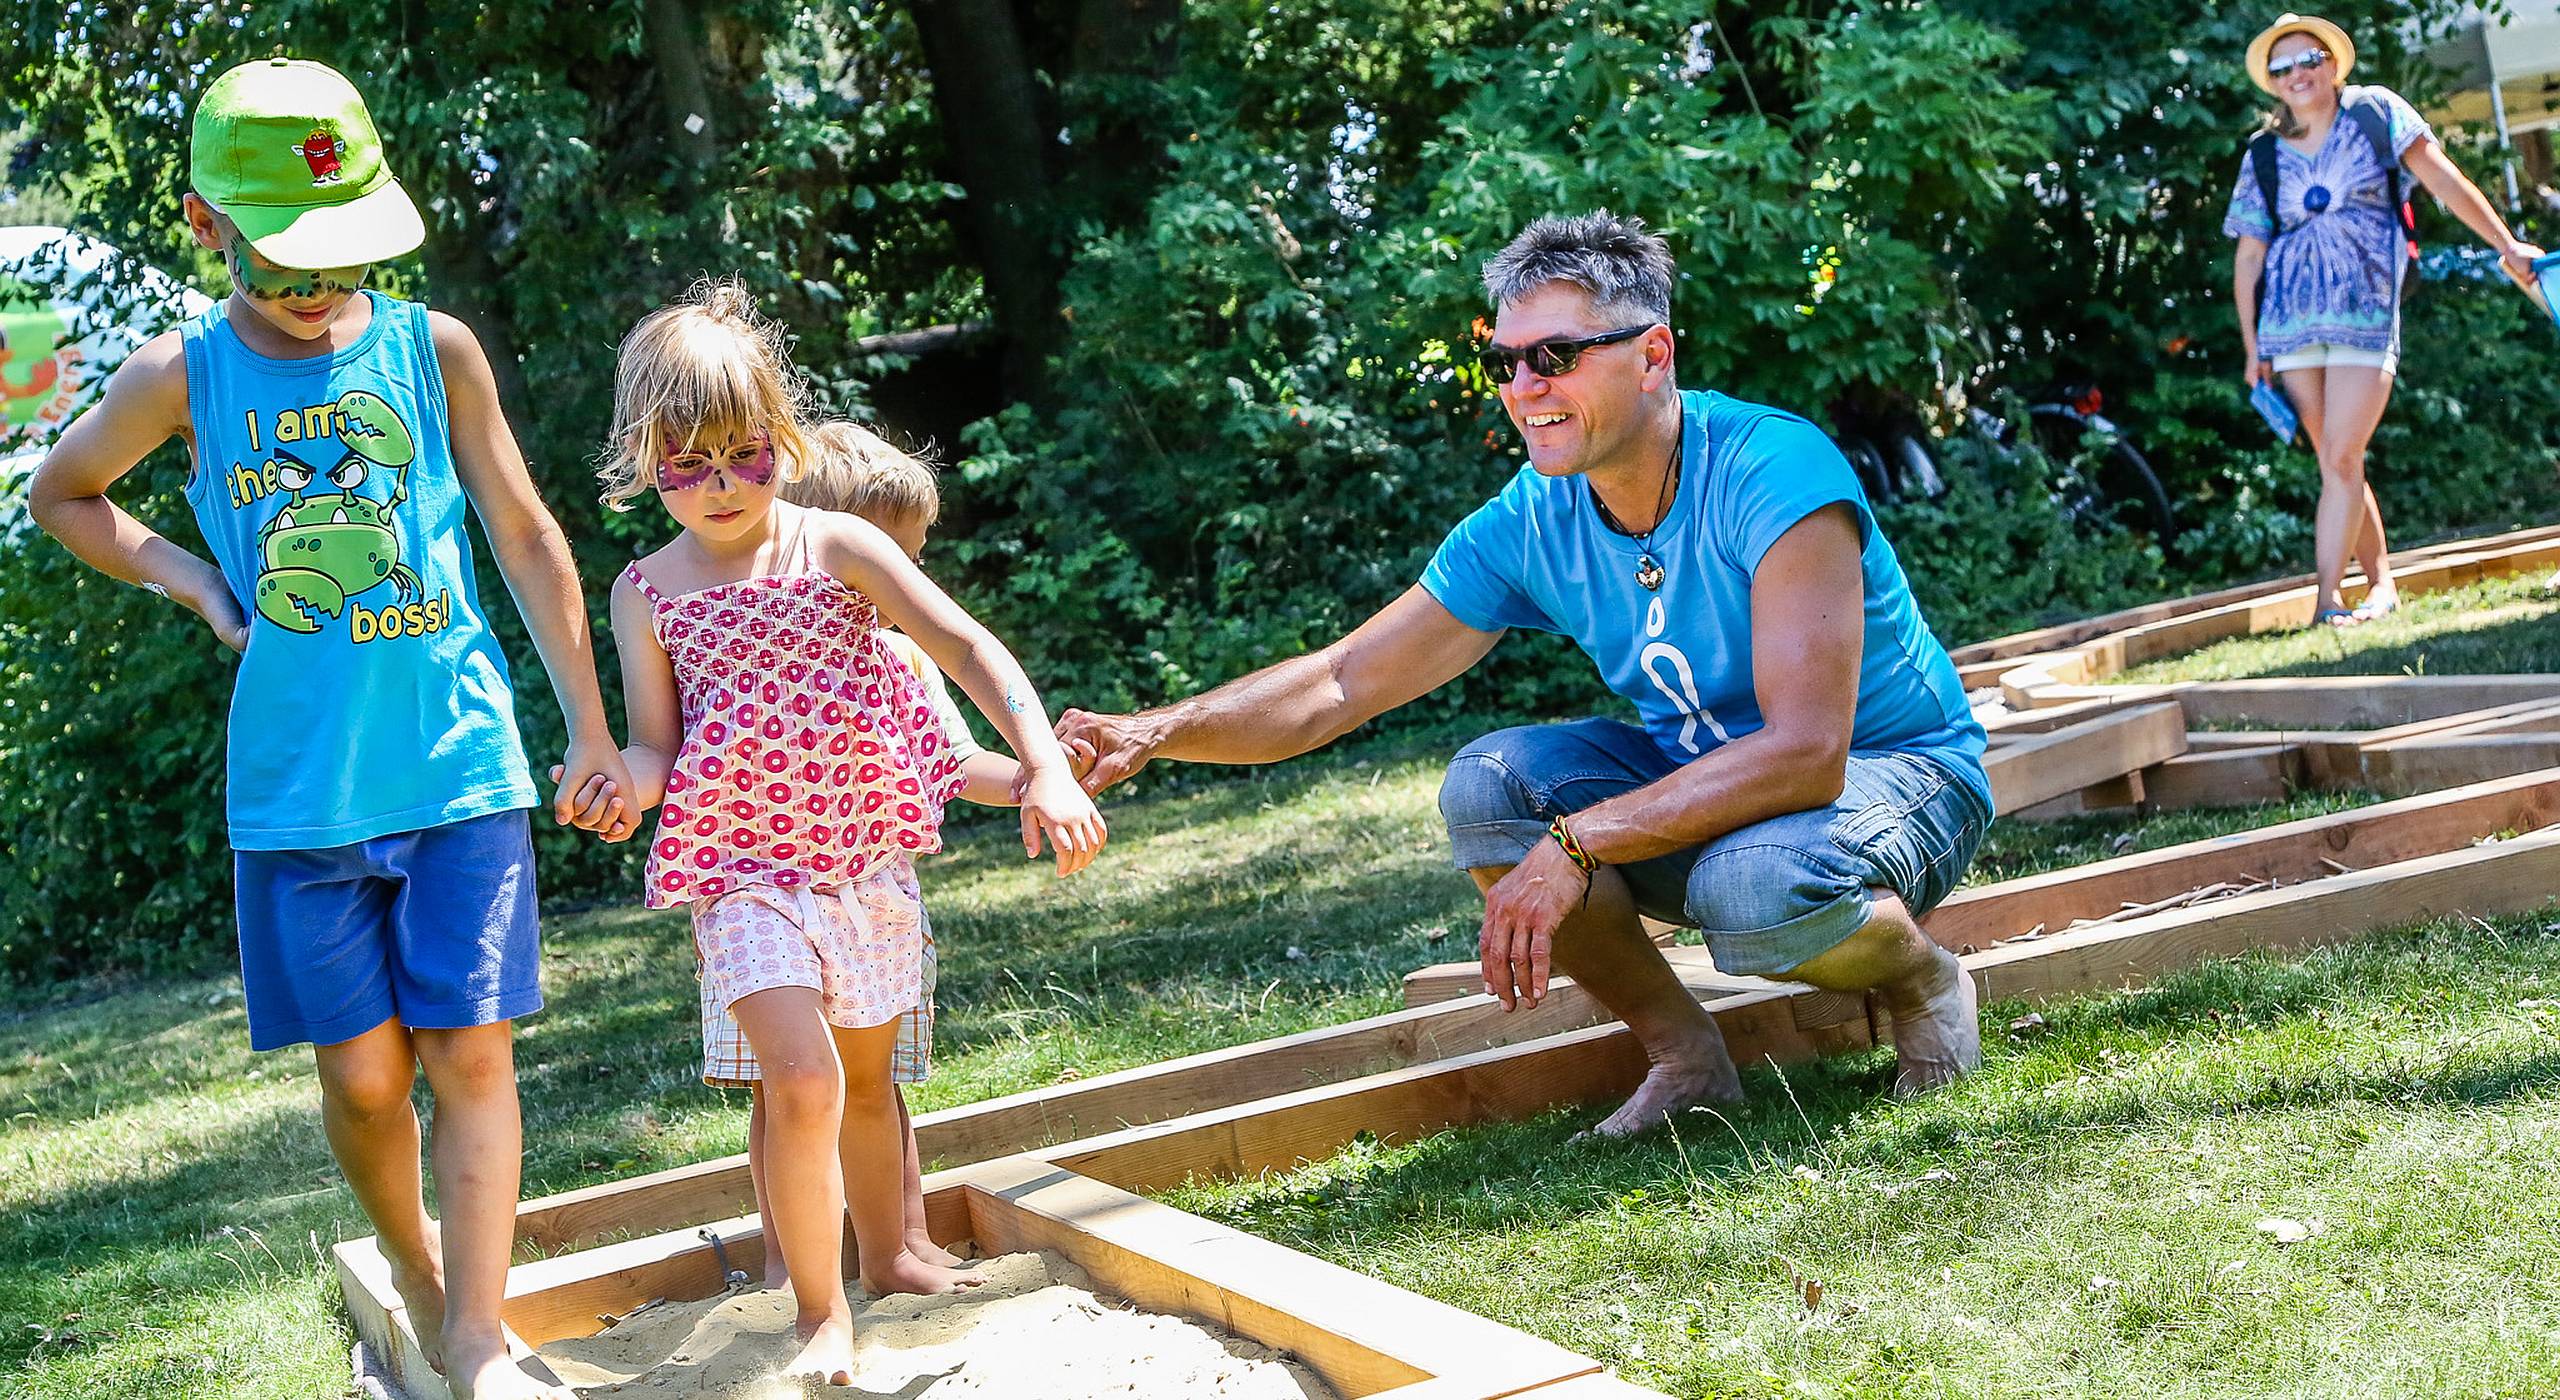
(2262,165)
(2370,118)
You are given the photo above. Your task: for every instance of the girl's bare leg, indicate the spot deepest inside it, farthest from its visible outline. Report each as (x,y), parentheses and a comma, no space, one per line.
(874,1151)
(804,1103)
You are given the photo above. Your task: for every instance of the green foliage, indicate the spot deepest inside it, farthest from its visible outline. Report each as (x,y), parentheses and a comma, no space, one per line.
(1273,415)
(1261,416)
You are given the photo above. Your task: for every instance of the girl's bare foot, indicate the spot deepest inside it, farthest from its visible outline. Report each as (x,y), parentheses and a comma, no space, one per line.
(479,1367)
(421,1291)
(922,1246)
(826,1349)
(909,1274)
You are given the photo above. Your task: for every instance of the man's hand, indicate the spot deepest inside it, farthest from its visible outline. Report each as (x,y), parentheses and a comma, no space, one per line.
(593,788)
(1522,912)
(1053,806)
(1105,749)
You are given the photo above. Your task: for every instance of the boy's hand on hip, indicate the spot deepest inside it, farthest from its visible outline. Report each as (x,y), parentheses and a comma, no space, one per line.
(222,613)
(593,783)
(1054,806)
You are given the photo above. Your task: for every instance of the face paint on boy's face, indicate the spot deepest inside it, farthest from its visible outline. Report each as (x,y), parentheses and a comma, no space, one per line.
(263,283)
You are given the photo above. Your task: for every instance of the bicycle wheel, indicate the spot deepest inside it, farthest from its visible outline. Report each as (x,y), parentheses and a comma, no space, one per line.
(2102,482)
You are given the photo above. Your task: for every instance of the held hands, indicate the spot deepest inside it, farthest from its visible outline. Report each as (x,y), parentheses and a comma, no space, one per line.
(1053,805)
(1521,914)
(1105,749)
(591,788)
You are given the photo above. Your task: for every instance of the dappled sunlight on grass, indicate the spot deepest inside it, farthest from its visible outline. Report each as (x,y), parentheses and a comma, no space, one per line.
(2499,626)
(2081,1217)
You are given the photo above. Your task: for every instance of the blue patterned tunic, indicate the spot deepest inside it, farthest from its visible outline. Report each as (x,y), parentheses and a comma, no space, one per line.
(2332,278)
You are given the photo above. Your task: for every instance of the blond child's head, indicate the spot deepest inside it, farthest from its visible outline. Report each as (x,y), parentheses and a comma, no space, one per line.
(852,470)
(697,383)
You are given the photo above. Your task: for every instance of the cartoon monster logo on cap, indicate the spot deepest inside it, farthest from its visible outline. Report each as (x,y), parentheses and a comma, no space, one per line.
(321,150)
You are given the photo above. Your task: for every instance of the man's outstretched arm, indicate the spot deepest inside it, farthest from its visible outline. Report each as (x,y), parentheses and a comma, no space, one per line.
(1412,647)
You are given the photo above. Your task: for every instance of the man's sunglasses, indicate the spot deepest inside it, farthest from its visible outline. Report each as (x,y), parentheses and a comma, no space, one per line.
(2308,58)
(1548,359)
(688,470)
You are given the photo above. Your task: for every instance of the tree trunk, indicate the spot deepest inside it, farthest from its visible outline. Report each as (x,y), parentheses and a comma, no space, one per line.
(996,139)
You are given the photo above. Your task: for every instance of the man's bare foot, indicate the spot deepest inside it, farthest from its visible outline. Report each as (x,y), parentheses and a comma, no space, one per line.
(909,1274)
(826,1350)
(922,1246)
(478,1367)
(1937,1027)
(1671,1087)
(421,1291)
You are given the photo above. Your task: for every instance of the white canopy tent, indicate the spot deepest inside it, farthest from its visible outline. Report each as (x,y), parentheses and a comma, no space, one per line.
(2506,74)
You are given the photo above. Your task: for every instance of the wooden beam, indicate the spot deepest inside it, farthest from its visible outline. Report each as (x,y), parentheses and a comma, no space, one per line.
(1604,1062)
(1364,1337)
(2313,848)
(1018,1122)
(2505,877)
(2068,634)
(2431,762)
(2225,777)
(2046,766)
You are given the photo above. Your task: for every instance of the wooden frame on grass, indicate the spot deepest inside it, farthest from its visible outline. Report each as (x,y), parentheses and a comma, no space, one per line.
(1364,1337)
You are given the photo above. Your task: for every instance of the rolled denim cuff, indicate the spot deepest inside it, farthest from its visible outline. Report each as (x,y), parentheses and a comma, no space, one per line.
(1781,948)
(1487,844)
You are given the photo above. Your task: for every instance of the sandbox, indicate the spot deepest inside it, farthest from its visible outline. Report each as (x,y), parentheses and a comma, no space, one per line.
(1034,1328)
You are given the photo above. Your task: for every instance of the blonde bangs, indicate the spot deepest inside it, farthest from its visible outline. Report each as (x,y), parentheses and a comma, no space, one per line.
(710,369)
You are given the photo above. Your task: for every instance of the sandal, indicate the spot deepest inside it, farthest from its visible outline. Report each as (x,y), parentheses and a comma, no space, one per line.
(2375,612)
(2340,618)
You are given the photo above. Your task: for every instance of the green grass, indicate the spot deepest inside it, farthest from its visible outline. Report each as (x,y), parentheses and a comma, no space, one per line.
(2080,1218)
(2500,626)
(166,1202)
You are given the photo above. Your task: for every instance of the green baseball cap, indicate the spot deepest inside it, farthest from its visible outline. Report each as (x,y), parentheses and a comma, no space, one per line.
(286,149)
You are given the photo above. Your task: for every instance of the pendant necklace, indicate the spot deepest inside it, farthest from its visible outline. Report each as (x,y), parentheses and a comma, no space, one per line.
(1649,572)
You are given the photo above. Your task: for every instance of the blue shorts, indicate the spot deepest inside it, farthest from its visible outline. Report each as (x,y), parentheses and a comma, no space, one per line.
(1769,896)
(435,927)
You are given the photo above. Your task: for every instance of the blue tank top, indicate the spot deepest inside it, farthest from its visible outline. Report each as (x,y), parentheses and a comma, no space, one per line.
(372,698)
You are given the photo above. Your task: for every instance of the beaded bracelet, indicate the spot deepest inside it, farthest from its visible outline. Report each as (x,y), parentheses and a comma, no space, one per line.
(1573,851)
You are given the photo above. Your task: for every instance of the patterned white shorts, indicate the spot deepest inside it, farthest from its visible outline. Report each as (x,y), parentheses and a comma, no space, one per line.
(861,946)
(728,1062)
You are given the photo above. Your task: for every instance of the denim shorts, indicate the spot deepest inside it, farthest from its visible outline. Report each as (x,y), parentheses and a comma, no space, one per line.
(436,927)
(1770,896)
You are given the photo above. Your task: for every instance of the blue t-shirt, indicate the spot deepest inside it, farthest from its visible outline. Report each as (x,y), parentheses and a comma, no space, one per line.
(1538,555)
(373,698)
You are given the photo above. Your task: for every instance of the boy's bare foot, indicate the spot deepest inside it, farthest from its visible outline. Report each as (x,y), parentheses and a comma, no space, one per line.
(421,1291)
(1937,1027)
(826,1350)
(922,1246)
(479,1367)
(909,1274)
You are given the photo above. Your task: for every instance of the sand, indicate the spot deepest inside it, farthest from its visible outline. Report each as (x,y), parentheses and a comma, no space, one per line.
(1035,1331)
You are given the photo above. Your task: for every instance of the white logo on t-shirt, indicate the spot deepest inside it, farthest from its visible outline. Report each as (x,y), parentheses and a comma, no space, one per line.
(1685,699)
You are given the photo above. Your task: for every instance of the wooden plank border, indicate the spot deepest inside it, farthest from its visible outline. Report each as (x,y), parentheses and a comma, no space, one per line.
(1366,1338)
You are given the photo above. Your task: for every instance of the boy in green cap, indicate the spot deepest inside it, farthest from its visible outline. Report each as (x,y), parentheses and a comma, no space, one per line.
(377,795)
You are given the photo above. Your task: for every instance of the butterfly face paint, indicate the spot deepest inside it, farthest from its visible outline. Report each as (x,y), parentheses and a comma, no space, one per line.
(687,470)
(262,283)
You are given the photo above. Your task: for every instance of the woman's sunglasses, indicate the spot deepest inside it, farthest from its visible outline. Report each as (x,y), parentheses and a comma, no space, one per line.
(687,470)
(1548,359)
(2308,58)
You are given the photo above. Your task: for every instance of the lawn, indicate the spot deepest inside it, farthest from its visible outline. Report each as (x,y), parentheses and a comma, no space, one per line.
(166,1202)
(2498,626)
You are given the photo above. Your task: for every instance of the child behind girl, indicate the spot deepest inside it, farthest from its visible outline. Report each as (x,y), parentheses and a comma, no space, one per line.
(852,470)
(801,768)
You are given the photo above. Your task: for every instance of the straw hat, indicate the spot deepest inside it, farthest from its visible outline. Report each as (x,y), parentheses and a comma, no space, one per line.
(2342,50)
